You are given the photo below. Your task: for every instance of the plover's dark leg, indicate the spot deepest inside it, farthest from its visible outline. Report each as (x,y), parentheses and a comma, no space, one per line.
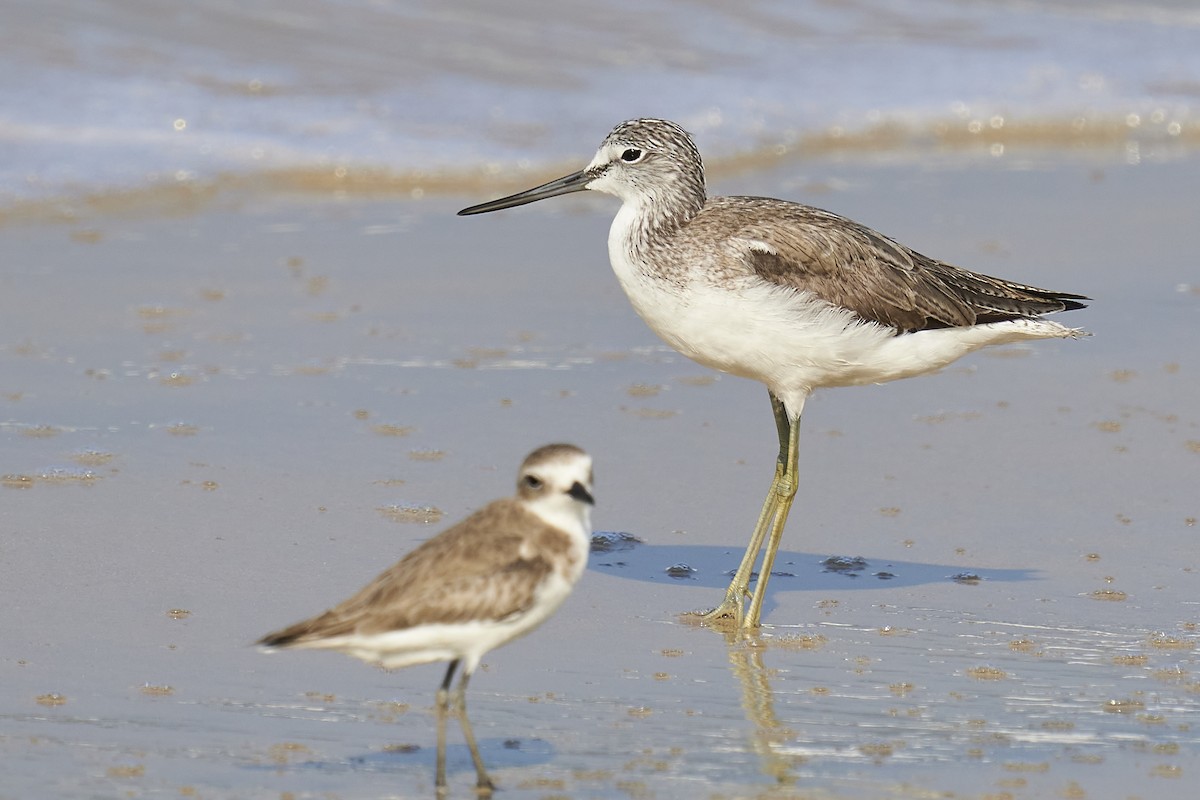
(443,702)
(483,784)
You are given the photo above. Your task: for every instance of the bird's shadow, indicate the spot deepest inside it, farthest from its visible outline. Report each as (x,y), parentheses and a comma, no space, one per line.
(625,556)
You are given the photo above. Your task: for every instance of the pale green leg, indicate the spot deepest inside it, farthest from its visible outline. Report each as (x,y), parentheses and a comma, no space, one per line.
(772,518)
(786,490)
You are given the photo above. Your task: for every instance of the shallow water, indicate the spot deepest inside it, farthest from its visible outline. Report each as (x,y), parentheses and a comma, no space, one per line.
(101,98)
(224,414)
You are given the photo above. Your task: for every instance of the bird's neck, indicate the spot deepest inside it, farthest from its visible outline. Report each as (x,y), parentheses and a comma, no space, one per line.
(647,221)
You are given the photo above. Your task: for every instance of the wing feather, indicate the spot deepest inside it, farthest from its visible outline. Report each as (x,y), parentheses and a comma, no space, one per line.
(488,567)
(854,267)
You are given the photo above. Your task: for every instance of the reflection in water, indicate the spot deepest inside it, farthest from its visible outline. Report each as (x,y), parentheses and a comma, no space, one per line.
(897,707)
(758,701)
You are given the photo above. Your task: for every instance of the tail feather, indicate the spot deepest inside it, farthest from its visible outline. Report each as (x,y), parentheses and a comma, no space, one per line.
(996,298)
(333,622)
(287,636)
(277,639)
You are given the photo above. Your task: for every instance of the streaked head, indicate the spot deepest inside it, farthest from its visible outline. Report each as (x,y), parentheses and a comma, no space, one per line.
(639,159)
(647,156)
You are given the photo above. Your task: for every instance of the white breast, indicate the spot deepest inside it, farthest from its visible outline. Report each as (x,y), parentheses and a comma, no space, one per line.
(739,324)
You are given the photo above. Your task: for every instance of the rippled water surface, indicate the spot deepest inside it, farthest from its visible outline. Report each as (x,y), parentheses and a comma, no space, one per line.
(100,97)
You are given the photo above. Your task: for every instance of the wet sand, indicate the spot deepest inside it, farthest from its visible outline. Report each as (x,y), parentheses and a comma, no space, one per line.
(216,422)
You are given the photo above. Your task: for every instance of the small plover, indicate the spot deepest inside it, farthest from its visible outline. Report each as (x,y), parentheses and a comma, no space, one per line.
(491,578)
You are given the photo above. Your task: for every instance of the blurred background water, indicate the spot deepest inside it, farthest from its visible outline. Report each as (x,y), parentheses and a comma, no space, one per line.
(99,96)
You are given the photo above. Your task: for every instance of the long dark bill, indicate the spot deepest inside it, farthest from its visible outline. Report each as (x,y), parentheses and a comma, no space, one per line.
(575,182)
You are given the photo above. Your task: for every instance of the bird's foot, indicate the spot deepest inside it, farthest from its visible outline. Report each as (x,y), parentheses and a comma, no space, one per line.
(728,617)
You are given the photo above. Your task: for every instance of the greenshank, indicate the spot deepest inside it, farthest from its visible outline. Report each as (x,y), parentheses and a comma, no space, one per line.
(790,295)
(491,578)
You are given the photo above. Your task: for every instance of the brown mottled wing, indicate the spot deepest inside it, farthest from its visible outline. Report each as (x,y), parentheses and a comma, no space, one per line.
(880,280)
(473,571)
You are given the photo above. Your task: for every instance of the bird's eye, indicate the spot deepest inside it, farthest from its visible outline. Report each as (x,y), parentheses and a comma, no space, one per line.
(631,155)
(532,482)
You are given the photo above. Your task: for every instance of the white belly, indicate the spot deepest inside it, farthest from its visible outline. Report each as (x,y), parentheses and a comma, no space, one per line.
(787,339)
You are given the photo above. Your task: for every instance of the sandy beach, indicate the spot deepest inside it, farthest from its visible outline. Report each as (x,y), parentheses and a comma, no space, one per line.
(221,419)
